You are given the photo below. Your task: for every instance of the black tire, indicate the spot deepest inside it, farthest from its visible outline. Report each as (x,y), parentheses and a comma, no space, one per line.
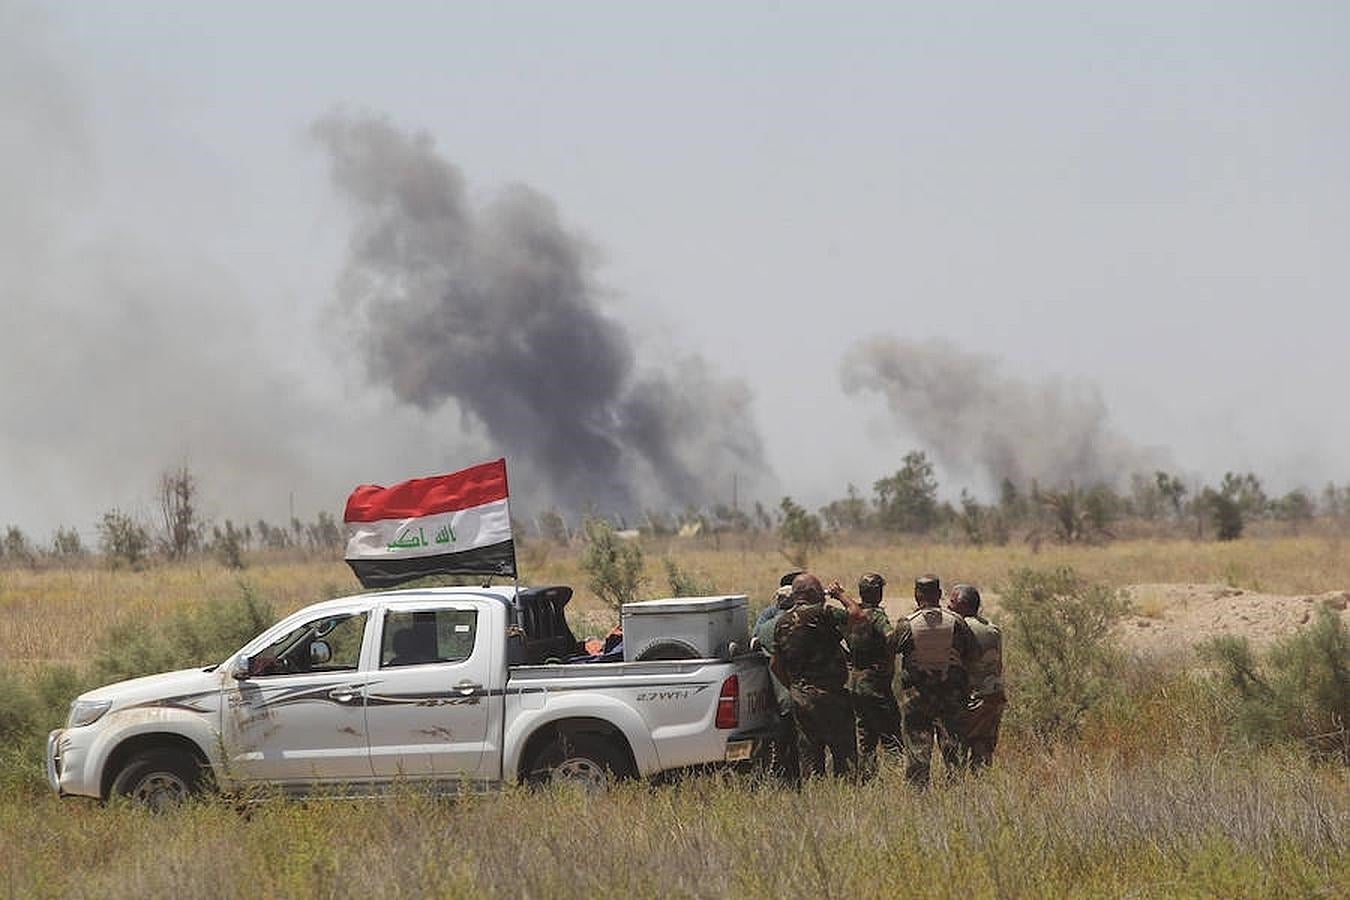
(588,761)
(159,780)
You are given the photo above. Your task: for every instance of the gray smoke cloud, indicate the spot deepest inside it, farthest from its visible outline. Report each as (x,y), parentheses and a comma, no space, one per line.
(976,420)
(494,309)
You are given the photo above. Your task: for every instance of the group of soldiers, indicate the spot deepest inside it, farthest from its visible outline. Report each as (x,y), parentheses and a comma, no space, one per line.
(841,693)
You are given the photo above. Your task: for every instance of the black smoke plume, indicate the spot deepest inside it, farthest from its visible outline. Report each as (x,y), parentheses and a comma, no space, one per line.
(494,307)
(976,420)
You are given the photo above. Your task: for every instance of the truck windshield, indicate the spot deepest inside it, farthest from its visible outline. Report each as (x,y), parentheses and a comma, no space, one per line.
(292,652)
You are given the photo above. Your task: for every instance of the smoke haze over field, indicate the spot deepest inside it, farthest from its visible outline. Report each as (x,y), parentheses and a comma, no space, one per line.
(127,350)
(976,420)
(1130,218)
(496,308)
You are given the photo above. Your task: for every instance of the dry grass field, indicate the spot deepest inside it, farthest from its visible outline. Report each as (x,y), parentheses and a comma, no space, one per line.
(1152,798)
(57,616)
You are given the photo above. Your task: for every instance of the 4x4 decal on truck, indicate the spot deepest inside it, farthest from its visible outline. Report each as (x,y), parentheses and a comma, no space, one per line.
(448,698)
(678,693)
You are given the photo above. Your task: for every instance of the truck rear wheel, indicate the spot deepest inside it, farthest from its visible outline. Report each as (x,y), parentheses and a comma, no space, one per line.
(159,780)
(585,760)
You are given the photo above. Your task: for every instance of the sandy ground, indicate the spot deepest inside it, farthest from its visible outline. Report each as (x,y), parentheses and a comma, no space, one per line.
(1171,617)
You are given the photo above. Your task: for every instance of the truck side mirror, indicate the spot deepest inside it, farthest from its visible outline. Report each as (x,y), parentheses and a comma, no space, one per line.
(319,653)
(242,668)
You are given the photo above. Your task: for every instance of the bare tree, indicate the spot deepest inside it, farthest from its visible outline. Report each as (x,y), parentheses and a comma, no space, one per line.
(178,512)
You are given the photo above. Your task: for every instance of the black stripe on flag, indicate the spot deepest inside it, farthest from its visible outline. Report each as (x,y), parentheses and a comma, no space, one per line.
(493,559)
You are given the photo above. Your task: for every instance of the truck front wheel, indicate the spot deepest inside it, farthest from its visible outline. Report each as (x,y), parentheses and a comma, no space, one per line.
(159,779)
(588,761)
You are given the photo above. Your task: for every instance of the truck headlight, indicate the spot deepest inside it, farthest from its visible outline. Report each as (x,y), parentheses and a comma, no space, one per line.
(87,712)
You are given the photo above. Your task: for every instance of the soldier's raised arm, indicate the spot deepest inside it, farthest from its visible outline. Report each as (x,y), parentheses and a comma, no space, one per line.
(855,610)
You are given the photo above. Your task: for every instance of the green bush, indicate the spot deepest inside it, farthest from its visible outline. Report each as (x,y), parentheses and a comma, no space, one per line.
(1297,690)
(19,710)
(613,564)
(1061,657)
(123,540)
(228,545)
(29,708)
(200,637)
(800,533)
(687,582)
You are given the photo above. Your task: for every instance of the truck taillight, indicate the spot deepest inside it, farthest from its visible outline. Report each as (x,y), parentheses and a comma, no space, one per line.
(728,703)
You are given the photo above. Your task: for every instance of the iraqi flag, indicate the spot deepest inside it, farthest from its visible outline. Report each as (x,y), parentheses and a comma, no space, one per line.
(456,524)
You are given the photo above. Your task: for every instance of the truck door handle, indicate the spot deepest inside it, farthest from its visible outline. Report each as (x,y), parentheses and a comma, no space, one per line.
(467,687)
(343,694)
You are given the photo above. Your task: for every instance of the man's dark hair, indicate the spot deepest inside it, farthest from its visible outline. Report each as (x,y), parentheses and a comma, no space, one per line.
(967,596)
(869,588)
(806,588)
(928,587)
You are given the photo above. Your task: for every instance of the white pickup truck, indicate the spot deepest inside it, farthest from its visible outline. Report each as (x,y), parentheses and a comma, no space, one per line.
(450,686)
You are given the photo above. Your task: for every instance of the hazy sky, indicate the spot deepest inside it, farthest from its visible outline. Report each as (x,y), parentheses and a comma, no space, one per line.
(1144,204)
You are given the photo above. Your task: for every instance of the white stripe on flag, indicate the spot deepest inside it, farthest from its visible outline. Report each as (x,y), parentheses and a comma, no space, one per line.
(435,535)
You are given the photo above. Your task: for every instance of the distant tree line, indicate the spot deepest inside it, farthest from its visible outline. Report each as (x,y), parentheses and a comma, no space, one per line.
(176,531)
(903,503)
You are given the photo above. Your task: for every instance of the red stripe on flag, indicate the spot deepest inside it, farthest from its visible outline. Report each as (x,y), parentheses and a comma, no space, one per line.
(428,496)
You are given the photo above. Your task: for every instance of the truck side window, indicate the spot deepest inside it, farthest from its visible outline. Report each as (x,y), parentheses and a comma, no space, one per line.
(428,636)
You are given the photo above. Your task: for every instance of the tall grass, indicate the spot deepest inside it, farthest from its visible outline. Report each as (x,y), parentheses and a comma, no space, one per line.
(1059,825)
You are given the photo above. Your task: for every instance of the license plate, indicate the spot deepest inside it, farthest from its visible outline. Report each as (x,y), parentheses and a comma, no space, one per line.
(739,751)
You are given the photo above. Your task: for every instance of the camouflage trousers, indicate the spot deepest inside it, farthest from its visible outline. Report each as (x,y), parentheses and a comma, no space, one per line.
(978,725)
(928,718)
(824,720)
(878,724)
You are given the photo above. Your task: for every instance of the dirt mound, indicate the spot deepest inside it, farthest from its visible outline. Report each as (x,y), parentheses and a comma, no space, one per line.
(1172,617)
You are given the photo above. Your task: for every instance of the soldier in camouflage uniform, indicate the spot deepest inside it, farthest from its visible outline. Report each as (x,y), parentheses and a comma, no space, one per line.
(783,745)
(936,649)
(809,658)
(871,669)
(979,721)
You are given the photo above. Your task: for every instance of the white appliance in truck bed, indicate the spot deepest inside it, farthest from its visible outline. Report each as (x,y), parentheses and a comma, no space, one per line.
(685,628)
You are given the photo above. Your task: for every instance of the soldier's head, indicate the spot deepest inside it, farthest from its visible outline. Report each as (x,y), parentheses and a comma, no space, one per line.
(806,588)
(927,590)
(786,580)
(964,600)
(869,589)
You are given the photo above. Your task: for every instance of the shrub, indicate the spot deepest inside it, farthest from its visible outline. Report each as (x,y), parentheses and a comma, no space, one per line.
(29,708)
(800,533)
(1299,690)
(228,544)
(1061,656)
(686,582)
(66,544)
(206,635)
(123,540)
(613,564)
(16,549)
(19,709)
